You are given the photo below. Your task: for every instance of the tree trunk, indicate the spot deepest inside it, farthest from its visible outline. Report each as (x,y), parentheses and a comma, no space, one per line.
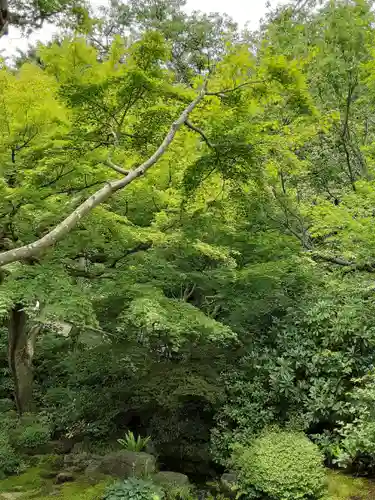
(4,17)
(21,343)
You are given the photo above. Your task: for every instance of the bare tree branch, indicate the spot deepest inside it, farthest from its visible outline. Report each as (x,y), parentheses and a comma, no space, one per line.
(109,161)
(350,265)
(200,132)
(330,258)
(111,187)
(115,167)
(222,93)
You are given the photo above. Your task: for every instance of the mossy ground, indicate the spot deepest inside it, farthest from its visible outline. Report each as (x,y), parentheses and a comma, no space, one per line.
(343,487)
(32,486)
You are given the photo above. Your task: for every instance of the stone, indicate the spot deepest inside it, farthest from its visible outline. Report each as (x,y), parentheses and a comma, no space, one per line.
(56,447)
(47,474)
(79,448)
(169,477)
(77,462)
(6,405)
(64,477)
(49,462)
(93,473)
(11,496)
(125,464)
(228,482)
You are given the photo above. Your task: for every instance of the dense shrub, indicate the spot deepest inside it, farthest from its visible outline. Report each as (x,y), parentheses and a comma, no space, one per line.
(31,431)
(302,371)
(353,445)
(280,465)
(133,489)
(10,462)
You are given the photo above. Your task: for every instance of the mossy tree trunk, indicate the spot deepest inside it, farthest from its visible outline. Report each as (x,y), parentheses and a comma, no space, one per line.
(21,345)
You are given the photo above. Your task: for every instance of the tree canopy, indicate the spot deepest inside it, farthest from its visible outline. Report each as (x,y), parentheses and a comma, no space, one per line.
(196,205)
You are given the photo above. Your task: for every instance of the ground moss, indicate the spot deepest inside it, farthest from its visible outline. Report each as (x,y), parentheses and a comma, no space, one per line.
(35,487)
(343,487)
(27,481)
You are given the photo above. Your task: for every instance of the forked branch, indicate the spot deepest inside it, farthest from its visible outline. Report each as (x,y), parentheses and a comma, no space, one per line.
(111,187)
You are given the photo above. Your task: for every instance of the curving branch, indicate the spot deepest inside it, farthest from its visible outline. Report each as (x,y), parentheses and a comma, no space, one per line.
(200,132)
(222,93)
(111,187)
(109,161)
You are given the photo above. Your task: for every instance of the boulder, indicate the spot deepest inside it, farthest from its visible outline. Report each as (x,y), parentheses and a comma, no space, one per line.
(228,482)
(78,462)
(174,478)
(125,464)
(11,496)
(48,462)
(56,447)
(6,405)
(93,473)
(47,474)
(64,477)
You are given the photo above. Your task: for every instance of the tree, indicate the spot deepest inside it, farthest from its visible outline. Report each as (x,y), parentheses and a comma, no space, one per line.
(95,114)
(25,15)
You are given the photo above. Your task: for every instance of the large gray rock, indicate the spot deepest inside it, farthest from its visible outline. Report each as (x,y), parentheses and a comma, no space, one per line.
(228,482)
(6,405)
(125,464)
(56,447)
(78,462)
(168,477)
(64,477)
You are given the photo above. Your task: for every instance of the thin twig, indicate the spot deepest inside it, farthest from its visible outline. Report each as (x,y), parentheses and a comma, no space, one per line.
(222,93)
(109,161)
(201,133)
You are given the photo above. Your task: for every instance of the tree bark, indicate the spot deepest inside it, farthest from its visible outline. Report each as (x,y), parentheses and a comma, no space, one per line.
(4,17)
(99,197)
(21,345)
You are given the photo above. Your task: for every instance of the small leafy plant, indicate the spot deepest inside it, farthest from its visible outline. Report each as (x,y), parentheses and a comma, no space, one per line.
(134,489)
(130,443)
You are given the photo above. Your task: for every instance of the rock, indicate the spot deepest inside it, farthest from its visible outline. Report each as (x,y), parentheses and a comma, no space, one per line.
(125,464)
(49,462)
(6,405)
(228,482)
(79,448)
(56,447)
(93,473)
(64,477)
(47,474)
(78,462)
(168,477)
(10,496)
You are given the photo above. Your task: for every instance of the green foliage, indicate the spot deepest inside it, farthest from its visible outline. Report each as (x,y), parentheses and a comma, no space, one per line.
(175,492)
(18,436)
(10,462)
(232,287)
(31,431)
(132,444)
(352,444)
(282,466)
(133,488)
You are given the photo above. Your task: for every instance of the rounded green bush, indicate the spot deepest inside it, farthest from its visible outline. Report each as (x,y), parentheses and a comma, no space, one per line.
(280,465)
